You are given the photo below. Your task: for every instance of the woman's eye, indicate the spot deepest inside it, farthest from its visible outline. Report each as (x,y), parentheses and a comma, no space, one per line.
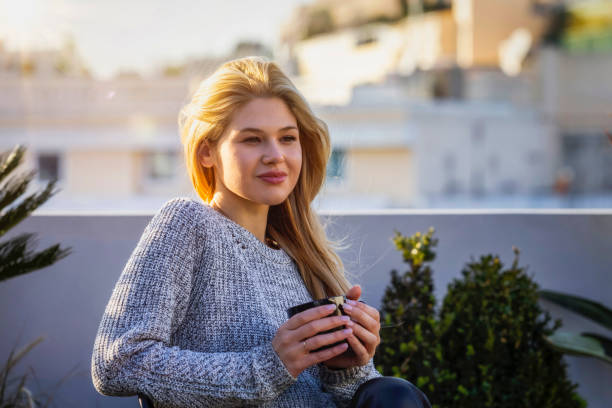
(251,139)
(290,138)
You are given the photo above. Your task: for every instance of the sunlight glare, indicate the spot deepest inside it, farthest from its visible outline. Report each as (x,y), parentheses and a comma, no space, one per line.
(19,19)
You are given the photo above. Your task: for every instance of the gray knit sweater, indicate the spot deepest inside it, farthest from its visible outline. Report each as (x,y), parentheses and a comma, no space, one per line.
(192,315)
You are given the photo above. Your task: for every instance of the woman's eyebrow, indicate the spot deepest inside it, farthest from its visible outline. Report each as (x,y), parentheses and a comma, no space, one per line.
(256,130)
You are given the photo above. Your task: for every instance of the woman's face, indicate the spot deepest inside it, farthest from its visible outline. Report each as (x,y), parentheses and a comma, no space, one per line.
(262,137)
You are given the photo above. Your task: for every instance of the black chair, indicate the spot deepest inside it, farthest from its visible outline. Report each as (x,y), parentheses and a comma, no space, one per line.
(144,401)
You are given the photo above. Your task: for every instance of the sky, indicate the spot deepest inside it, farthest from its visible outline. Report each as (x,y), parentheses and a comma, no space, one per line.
(113,35)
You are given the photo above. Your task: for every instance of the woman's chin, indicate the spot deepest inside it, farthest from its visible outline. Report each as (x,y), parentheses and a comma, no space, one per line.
(276,201)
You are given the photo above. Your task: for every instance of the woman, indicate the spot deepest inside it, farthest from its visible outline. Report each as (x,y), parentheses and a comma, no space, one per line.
(198,315)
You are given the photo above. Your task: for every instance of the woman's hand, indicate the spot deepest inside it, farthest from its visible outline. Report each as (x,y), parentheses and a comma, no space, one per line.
(366,328)
(296,337)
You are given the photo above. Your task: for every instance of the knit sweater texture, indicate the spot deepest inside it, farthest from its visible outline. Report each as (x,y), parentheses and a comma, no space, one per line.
(191,319)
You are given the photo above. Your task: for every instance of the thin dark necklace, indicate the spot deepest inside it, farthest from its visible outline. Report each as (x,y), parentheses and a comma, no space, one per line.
(269,241)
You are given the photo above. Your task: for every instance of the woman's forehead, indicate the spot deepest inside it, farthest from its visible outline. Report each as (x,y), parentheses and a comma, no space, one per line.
(263,113)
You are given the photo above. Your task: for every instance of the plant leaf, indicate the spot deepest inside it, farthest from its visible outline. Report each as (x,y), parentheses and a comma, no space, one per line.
(9,161)
(24,350)
(585,307)
(577,344)
(606,343)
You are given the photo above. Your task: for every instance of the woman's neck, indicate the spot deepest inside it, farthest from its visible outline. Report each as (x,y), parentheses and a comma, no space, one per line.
(252,218)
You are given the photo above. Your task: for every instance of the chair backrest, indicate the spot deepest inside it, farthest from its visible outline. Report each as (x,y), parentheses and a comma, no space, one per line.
(144,401)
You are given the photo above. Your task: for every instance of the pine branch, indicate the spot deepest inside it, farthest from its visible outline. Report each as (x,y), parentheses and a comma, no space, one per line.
(9,161)
(17,259)
(16,214)
(15,187)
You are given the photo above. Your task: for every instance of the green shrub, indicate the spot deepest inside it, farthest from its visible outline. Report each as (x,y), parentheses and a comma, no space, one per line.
(486,345)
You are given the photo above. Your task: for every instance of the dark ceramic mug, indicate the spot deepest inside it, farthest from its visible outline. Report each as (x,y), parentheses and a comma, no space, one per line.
(334,300)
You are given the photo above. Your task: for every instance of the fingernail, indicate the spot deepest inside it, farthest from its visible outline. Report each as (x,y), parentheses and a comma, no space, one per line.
(345,318)
(330,307)
(351,302)
(347,331)
(347,307)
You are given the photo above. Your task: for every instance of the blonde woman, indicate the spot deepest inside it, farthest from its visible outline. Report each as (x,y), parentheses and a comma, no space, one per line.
(198,317)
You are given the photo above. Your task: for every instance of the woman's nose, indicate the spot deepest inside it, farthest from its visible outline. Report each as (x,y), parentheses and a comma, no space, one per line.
(273,153)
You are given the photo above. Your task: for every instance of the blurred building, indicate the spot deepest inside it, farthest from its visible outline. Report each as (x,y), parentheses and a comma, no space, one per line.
(407,153)
(101,139)
(512,75)
(464,103)
(51,63)
(469,34)
(110,143)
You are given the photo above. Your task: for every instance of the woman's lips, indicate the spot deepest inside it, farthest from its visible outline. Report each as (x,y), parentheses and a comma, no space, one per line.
(273,179)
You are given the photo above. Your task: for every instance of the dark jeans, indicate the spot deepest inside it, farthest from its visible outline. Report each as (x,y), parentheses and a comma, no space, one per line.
(379,392)
(389,392)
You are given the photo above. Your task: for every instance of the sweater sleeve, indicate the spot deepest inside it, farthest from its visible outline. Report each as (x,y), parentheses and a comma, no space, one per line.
(343,384)
(132,351)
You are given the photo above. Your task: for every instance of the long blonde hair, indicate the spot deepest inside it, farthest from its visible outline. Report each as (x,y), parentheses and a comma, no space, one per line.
(292,223)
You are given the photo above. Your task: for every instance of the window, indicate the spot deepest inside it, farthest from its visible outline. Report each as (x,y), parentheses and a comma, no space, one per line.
(588,154)
(336,164)
(48,166)
(161,165)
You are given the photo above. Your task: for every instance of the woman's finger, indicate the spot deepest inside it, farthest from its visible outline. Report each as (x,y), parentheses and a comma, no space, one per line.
(367,338)
(326,339)
(294,352)
(323,355)
(374,313)
(359,349)
(315,327)
(308,315)
(359,315)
